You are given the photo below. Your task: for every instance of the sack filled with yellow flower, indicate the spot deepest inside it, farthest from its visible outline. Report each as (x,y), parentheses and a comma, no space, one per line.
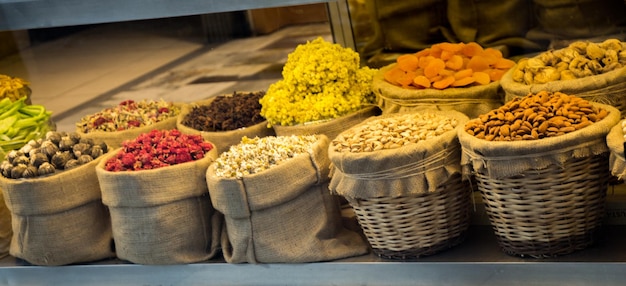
(324,90)
(593,71)
(446,76)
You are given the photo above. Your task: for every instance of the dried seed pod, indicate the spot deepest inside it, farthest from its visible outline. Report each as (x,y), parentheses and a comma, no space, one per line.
(71,163)
(88,141)
(49,148)
(26,148)
(45,169)
(17,171)
(96,151)
(5,168)
(12,155)
(54,137)
(66,143)
(60,159)
(84,159)
(30,172)
(38,159)
(81,149)
(21,160)
(75,136)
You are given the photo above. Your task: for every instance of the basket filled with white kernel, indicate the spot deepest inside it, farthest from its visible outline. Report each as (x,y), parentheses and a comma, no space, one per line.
(541,163)
(595,71)
(273,192)
(401,174)
(616,140)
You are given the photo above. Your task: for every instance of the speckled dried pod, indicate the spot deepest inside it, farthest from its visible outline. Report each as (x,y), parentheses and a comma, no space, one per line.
(26,148)
(17,171)
(38,159)
(84,159)
(12,155)
(49,148)
(86,141)
(81,149)
(5,168)
(30,172)
(22,159)
(60,159)
(54,137)
(75,136)
(45,169)
(96,151)
(66,143)
(71,163)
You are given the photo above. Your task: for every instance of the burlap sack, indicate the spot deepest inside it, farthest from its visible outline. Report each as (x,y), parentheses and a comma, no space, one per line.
(412,169)
(285,214)
(329,128)
(115,139)
(164,215)
(403,26)
(5,228)
(579,18)
(471,101)
(222,139)
(615,141)
(502,159)
(59,219)
(608,88)
(493,23)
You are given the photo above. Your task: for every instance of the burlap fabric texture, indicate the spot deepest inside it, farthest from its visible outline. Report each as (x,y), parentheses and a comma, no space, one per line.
(285,214)
(222,139)
(330,128)
(59,219)
(471,101)
(411,169)
(114,139)
(615,141)
(6,231)
(608,88)
(164,215)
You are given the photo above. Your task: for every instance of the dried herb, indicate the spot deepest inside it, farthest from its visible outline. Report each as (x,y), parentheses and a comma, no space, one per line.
(226,112)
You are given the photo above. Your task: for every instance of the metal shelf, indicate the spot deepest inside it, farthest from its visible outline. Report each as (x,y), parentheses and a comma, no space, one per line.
(477,261)
(32,14)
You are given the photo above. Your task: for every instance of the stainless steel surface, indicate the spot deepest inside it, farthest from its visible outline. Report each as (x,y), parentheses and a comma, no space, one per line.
(340,22)
(31,14)
(477,261)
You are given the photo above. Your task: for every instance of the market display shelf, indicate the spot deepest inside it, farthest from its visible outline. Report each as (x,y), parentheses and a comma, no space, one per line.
(477,261)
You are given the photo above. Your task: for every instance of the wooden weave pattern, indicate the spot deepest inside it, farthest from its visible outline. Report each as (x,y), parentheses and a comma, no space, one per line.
(414,226)
(548,212)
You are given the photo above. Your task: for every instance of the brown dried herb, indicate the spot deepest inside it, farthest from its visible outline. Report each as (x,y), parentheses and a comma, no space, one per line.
(227,112)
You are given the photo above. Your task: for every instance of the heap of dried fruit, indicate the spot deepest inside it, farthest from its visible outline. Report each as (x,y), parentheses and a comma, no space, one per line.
(57,151)
(156,149)
(254,155)
(392,132)
(535,116)
(13,88)
(127,115)
(580,59)
(447,65)
(226,112)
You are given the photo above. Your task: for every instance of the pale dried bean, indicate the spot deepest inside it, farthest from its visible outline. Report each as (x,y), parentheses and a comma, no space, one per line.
(392,132)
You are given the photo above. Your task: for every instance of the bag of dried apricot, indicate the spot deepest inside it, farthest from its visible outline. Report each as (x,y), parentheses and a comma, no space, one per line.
(616,139)
(273,192)
(542,167)
(593,71)
(160,207)
(225,119)
(5,228)
(447,76)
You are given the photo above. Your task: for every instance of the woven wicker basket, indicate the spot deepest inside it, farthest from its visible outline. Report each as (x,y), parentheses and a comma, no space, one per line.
(549,212)
(417,225)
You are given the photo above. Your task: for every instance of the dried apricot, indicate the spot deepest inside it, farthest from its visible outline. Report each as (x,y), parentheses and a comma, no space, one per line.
(407,62)
(504,64)
(478,63)
(434,67)
(443,83)
(463,74)
(463,82)
(455,62)
(481,78)
(472,49)
(451,47)
(421,81)
(393,74)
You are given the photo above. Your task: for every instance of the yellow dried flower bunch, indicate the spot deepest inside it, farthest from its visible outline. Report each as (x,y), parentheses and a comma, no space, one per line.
(321,80)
